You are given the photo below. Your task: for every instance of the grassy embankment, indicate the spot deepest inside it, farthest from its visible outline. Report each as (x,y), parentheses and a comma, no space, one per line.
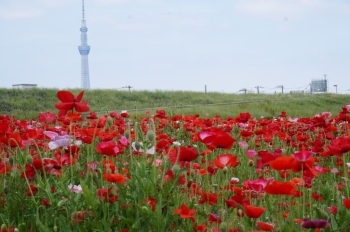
(26,104)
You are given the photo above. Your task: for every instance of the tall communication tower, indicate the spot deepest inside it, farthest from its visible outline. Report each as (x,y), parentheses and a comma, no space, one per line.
(84,50)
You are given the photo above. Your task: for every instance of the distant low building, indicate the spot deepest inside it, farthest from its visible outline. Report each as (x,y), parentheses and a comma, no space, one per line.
(24,86)
(319,86)
(297,91)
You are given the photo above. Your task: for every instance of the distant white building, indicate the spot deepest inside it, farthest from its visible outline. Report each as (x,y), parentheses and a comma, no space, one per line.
(24,86)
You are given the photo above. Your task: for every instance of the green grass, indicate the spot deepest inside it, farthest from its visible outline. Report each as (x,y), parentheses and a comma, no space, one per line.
(25,104)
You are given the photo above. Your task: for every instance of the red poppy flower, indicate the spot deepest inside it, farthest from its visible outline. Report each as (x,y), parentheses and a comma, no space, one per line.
(13,140)
(280,188)
(214,218)
(283,114)
(257,185)
(29,172)
(45,202)
(226,160)
(182,154)
(185,212)
(32,190)
(70,102)
(47,117)
(236,200)
(163,144)
(282,163)
(79,216)
(107,195)
(302,156)
(4,168)
(339,146)
(151,202)
(124,114)
(303,160)
(316,196)
(114,178)
(169,175)
(243,117)
(264,158)
(210,198)
(253,211)
(332,209)
(305,166)
(109,148)
(200,228)
(346,202)
(216,138)
(265,226)
(246,133)
(160,114)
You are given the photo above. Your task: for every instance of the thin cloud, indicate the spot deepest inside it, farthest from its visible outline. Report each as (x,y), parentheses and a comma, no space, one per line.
(11,10)
(144,22)
(116,2)
(135,26)
(20,13)
(194,22)
(278,8)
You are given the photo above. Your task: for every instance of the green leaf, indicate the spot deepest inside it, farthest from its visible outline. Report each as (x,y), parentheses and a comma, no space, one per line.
(42,226)
(334,223)
(89,196)
(63,224)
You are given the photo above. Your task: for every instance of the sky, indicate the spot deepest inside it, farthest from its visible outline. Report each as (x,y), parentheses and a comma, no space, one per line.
(190,45)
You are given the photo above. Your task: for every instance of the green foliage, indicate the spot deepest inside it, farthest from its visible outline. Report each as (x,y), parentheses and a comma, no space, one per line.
(26,104)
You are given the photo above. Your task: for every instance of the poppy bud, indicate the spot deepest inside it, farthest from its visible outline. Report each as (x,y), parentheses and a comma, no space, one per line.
(144,209)
(11,160)
(150,135)
(3,227)
(137,146)
(108,170)
(250,162)
(240,213)
(55,228)
(234,180)
(176,168)
(240,227)
(15,230)
(29,159)
(127,134)
(109,121)
(225,169)
(223,226)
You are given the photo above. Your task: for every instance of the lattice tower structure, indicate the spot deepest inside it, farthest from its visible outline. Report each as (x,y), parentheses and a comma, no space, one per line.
(84,50)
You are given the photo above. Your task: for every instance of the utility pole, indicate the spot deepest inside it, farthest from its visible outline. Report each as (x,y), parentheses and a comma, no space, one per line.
(129,87)
(244,90)
(280,86)
(258,87)
(336,89)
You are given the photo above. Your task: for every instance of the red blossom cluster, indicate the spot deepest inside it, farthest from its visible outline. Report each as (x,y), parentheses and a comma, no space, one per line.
(287,156)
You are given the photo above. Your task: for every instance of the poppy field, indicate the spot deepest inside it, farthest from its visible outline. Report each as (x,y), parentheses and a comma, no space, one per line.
(76,170)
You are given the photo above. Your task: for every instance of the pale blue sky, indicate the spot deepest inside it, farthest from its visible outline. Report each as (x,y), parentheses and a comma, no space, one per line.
(177,45)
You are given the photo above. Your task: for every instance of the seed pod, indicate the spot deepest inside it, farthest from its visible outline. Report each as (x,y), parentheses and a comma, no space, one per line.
(29,159)
(138,145)
(150,135)
(110,121)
